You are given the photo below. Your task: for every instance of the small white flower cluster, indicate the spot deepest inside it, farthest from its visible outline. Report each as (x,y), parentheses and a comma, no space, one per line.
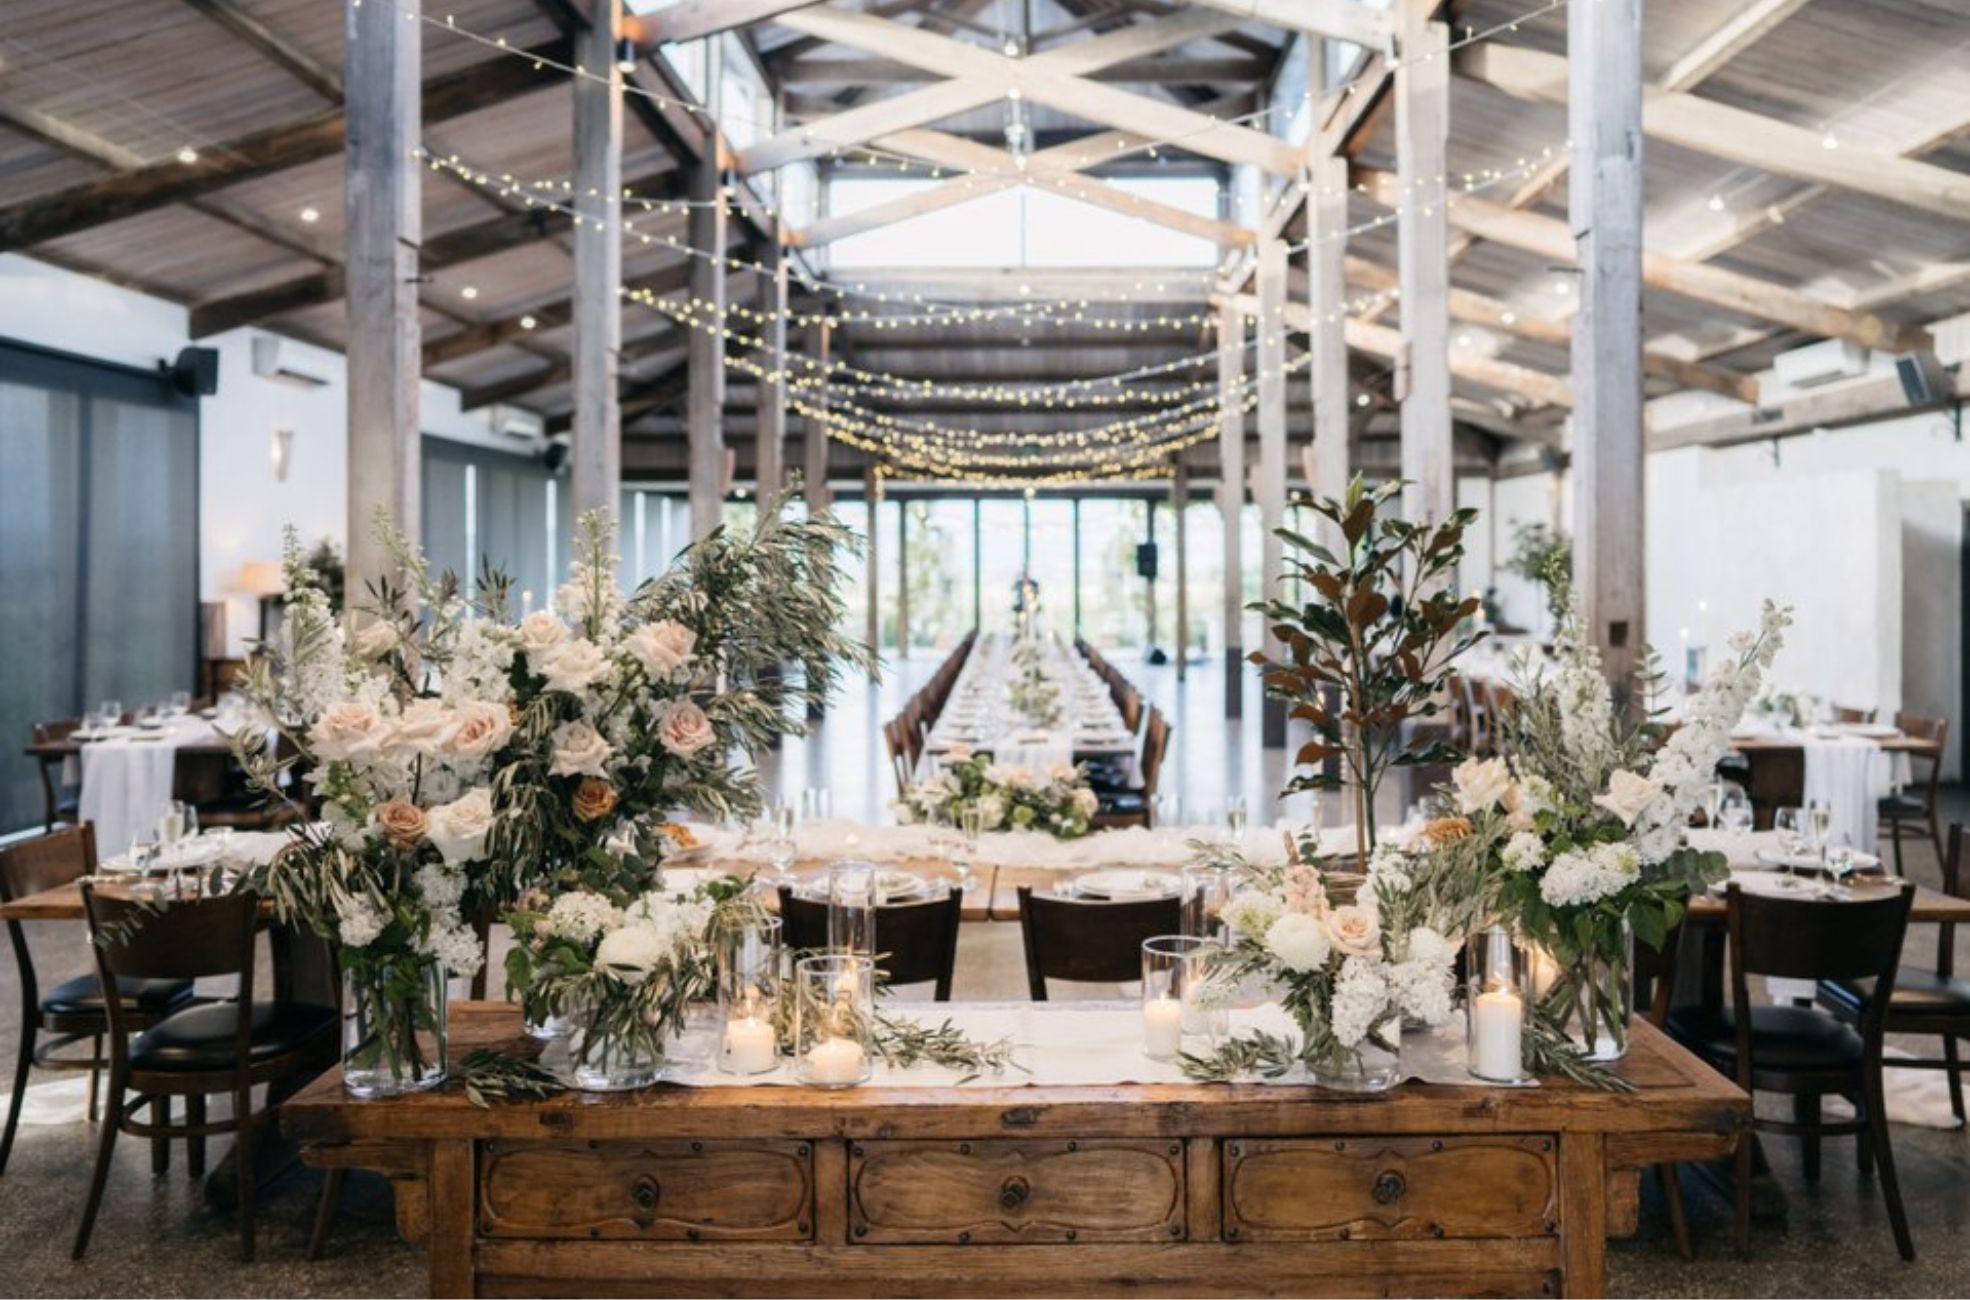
(1581,876)
(1525,851)
(581,917)
(629,944)
(1362,999)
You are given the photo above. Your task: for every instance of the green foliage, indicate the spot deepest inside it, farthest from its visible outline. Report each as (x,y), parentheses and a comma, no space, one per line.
(1543,554)
(1270,1056)
(490,1076)
(1368,653)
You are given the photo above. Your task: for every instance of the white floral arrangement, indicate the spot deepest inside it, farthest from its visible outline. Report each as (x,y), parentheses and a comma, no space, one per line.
(1007,796)
(1348,956)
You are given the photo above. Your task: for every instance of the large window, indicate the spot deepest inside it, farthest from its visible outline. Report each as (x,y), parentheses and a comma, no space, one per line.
(98,549)
(490,507)
(1022,227)
(941,558)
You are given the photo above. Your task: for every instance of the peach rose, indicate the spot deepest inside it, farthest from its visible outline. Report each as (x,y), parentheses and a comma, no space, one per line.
(420,729)
(351,731)
(1355,930)
(478,731)
(662,647)
(685,729)
(1444,830)
(594,799)
(402,822)
(540,632)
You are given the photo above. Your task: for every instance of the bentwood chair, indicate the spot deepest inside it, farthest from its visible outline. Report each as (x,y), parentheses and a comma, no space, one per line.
(1923,1002)
(220,1047)
(1917,812)
(916,943)
(1802,1051)
(60,802)
(74,1010)
(1087,940)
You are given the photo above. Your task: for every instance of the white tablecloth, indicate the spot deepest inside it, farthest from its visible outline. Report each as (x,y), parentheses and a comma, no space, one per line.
(1130,847)
(126,780)
(979,714)
(1850,772)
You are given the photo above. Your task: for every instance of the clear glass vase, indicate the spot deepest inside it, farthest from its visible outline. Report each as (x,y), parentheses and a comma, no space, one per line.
(1590,992)
(393,1023)
(1374,1065)
(606,1061)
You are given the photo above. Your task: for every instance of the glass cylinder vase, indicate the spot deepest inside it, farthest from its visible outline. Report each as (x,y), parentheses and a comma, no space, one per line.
(852,908)
(1372,1065)
(1181,1000)
(1589,992)
(1497,991)
(393,1023)
(748,991)
(612,1046)
(834,1020)
(1206,888)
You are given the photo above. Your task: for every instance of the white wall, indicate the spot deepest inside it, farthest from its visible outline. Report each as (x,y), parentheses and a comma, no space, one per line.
(242,506)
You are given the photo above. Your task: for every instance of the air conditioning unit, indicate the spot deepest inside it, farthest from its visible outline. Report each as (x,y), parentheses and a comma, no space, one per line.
(516,422)
(273,359)
(1821,363)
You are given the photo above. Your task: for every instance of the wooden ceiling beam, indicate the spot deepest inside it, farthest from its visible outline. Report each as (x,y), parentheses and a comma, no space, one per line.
(1169,71)
(689,20)
(1345,20)
(517,388)
(144,189)
(1729,39)
(250,28)
(1748,139)
(1552,239)
(546,316)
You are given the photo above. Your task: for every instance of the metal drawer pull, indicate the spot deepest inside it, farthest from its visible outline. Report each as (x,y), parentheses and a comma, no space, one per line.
(1389,1187)
(1013,1192)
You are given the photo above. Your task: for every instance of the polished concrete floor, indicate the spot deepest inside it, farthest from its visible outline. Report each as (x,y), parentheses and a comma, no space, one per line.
(157,1236)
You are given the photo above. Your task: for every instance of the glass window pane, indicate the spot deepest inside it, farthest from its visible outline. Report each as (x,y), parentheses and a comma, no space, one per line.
(940,573)
(1002,559)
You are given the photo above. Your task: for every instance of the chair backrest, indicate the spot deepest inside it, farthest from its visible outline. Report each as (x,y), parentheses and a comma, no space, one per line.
(1655,975)
(1078,939)
(1129,701)
(916,943)
(182,939)
(47,733)
(47,861)
(1818,939)
(1936,730)
(1155,748)
(1841,713)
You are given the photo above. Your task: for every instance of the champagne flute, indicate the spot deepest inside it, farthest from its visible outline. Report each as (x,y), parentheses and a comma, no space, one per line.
(1713,802)
(1235,817)
(971,829)
(1819,820)
(1790,825)
(172,822)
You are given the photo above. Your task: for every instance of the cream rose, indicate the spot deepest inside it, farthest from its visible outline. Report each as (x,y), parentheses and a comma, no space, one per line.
(375,640)
(402,822)
(1355,930)
(478,731)
(1481,783)
(662,648)
(459,828)
(573,667)
(578,750)
(420,729)
(685,729)
(351,731)
(1627,794)
(1298,942)
(540,632)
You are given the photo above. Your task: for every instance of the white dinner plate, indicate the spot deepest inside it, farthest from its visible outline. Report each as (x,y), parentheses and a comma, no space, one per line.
(1871,730)
(1810,861)
(1122,884)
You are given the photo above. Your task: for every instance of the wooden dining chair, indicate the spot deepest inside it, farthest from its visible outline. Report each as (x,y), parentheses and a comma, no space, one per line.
(219,1047)
(1089,940)
(60,803)
(1917,812)
(1923,1002)
(916,943)
(899,757)
(1841,713)
(1805,1052)
(73,1011)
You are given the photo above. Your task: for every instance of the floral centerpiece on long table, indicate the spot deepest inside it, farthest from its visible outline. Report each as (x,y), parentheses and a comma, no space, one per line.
(463,758)
(1005,796)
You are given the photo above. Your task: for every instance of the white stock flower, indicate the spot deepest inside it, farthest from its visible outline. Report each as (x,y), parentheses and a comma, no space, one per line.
(663,648)
(1628,793)
(459,828)
(1299,942)
(580,916)
(456,947)
(358,920)
(1481,783)
(1422,989)
(1525,851)
(578,750)
(574,666)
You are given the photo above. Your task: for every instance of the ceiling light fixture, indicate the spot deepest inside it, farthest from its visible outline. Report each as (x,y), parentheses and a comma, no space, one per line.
(187,155)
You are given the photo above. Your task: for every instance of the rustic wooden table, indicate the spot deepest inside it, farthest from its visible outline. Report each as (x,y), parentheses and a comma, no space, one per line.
(1200,1190)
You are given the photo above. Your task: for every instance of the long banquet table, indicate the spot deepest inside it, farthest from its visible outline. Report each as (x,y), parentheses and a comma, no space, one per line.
(1007,1190)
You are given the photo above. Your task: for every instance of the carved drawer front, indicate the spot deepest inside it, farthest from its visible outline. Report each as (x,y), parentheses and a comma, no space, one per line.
(648,1191)
(974,1193)
(1389,1188)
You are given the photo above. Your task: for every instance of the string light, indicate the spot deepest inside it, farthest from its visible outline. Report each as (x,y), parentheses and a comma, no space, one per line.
(310,214)
(187,155)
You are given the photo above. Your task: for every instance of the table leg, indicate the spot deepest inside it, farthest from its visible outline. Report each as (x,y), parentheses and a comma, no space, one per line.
(453,1193)
(1583,1214)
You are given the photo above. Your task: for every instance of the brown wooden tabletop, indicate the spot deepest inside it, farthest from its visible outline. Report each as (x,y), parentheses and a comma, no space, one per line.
(1892,744)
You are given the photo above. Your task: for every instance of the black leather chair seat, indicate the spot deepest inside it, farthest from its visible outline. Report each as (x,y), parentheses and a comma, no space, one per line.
(1902,805)
(202,1038)
(83,996)
(1782,1038)
(1917,993)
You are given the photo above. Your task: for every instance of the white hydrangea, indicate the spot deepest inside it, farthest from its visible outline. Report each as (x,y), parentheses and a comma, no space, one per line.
(1251,912)
(455,945)
(1299,942)
(439,886)
(1584,876)
(358,920)
(680,918)
(579,916)
(1422,988)
(1425,944)
(1525,851)
(1361,999)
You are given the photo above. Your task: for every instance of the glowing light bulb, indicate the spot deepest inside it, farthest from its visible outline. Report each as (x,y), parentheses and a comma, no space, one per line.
(311,214)
(187,155)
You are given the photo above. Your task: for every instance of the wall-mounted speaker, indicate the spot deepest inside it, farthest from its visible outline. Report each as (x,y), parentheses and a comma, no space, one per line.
(195,373)
(554,455)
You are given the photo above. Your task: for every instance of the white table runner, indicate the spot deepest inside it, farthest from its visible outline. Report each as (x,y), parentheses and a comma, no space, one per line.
(126,779)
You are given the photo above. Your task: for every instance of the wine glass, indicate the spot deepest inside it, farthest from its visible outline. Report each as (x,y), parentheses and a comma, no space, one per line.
(1819,824)
(775,834)
(1713,802)
(816,804)
(1168,809)
(181,703)
(1839,855)
(1790,826)
(111,712)
(1734,814)
(971,829)
(1236,816)
(177,821)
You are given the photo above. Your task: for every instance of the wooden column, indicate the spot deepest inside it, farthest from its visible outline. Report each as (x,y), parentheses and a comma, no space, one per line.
(814,443)
(1231,498)
(1604,202)
(902,580)
(1270,486)
(872,563)
(596,459)
(705,352)
(384,228)
(1327,210)
(769,452)
(1422,123)
(1179,503)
